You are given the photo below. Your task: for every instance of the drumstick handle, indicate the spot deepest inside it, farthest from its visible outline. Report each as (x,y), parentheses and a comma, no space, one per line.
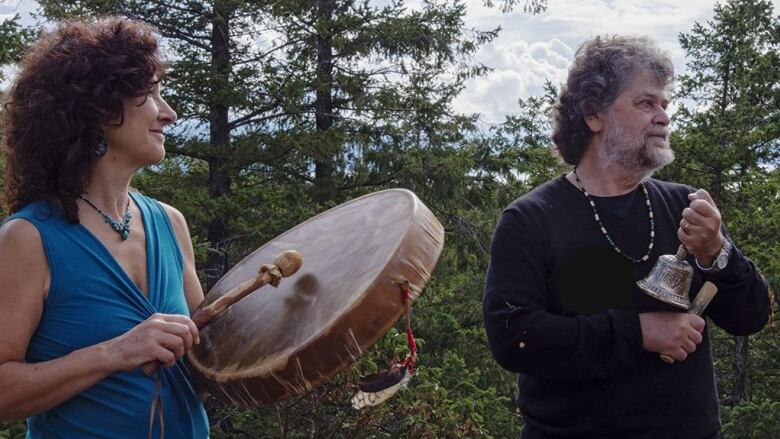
(286,264)
(204,315)
(700,302)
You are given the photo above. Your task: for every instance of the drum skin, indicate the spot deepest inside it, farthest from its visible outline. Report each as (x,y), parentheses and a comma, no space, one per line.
(281,342)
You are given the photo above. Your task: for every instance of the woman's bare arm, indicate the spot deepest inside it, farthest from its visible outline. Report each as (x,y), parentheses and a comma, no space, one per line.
(193,292)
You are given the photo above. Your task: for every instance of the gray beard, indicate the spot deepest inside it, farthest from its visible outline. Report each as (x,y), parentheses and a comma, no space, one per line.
(633,152)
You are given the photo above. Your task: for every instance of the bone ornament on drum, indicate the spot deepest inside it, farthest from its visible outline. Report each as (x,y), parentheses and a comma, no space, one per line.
(347,295)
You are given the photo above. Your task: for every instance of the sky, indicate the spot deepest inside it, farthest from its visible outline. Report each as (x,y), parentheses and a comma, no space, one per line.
(531,49)
(534,48)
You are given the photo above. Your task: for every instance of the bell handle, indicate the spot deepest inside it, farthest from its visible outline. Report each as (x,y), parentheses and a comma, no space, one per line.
(682,253)
(706,293)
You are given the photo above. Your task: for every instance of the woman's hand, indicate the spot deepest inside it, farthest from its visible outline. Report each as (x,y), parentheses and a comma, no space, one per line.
(161,338)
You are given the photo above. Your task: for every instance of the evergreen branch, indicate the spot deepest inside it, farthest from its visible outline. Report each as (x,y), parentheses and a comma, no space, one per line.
(250,119)
(391,177)
(265,54)
(167,30)
(465,226)
(186,152)
(167,5)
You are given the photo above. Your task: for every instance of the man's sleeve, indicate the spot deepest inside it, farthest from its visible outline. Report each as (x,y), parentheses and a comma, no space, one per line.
(524,337)
(743,303)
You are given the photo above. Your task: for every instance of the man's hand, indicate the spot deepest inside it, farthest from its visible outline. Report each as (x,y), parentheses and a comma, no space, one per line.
(674,334)
(700,228)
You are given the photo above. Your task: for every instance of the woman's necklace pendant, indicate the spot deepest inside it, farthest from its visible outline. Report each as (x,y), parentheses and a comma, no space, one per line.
(122,228)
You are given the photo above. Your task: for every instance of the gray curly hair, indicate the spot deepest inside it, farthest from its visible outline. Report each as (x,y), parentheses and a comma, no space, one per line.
(601,70)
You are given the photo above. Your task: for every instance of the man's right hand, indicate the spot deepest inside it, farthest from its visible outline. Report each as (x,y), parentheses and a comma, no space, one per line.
(161,337)
(675,334)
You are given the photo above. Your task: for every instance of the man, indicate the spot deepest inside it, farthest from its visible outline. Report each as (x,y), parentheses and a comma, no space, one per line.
(561,303)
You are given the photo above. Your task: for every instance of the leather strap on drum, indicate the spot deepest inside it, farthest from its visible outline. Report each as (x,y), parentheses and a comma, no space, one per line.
(157,403)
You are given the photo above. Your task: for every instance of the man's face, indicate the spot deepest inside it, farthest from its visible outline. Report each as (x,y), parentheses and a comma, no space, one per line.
(636,126)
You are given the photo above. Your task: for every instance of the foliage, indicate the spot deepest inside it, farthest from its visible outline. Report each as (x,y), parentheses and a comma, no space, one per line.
(319,101)
(755,419)
(12,430)
(529,6)
(13,40)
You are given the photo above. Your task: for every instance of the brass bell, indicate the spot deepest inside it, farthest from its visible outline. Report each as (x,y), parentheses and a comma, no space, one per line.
(670,279)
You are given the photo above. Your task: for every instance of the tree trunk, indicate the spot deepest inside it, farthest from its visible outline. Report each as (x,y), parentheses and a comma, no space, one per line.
(741,389)
(219,131)
(324,166)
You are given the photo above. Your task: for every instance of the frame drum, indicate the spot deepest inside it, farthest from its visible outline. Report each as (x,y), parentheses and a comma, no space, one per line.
(281,342)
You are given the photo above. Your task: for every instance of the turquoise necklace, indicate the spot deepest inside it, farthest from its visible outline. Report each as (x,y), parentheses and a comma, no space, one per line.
(123,228)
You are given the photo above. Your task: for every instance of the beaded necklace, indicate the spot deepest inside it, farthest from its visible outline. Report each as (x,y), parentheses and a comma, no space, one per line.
(604,229)
(123,228)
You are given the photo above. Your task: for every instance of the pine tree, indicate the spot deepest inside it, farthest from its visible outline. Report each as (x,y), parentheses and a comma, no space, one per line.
(327,97)
(728,138)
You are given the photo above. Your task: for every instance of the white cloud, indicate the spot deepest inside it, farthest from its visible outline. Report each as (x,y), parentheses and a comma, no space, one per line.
(532,49)
(9,8)
(521,70)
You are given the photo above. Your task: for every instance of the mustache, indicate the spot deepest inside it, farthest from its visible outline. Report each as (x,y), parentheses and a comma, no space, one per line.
(664,134)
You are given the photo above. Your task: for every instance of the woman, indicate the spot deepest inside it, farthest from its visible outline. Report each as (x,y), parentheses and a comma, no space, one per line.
(95,280)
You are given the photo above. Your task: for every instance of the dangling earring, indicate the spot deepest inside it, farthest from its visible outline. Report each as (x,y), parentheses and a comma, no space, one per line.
(101,148)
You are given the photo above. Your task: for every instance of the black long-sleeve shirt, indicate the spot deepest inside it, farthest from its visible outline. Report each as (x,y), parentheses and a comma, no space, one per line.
(561,308)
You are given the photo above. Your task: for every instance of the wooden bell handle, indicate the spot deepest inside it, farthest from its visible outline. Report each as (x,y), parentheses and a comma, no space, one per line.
(285,265)
(700,302)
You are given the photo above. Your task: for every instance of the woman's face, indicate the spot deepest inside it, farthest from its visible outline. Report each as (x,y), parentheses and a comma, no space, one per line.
(139,141)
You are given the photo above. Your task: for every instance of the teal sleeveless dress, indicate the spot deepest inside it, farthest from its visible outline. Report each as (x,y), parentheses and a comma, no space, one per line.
(92,299)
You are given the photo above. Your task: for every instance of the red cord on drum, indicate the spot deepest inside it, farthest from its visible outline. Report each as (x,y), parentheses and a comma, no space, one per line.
(410,359)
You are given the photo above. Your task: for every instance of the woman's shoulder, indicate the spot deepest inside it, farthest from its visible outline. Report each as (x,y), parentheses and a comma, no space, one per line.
(175,216)
(22,251)
(19,232)
(172,214)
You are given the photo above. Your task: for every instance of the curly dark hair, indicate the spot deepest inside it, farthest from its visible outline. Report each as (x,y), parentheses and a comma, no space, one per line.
(71,81)
(601,70)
